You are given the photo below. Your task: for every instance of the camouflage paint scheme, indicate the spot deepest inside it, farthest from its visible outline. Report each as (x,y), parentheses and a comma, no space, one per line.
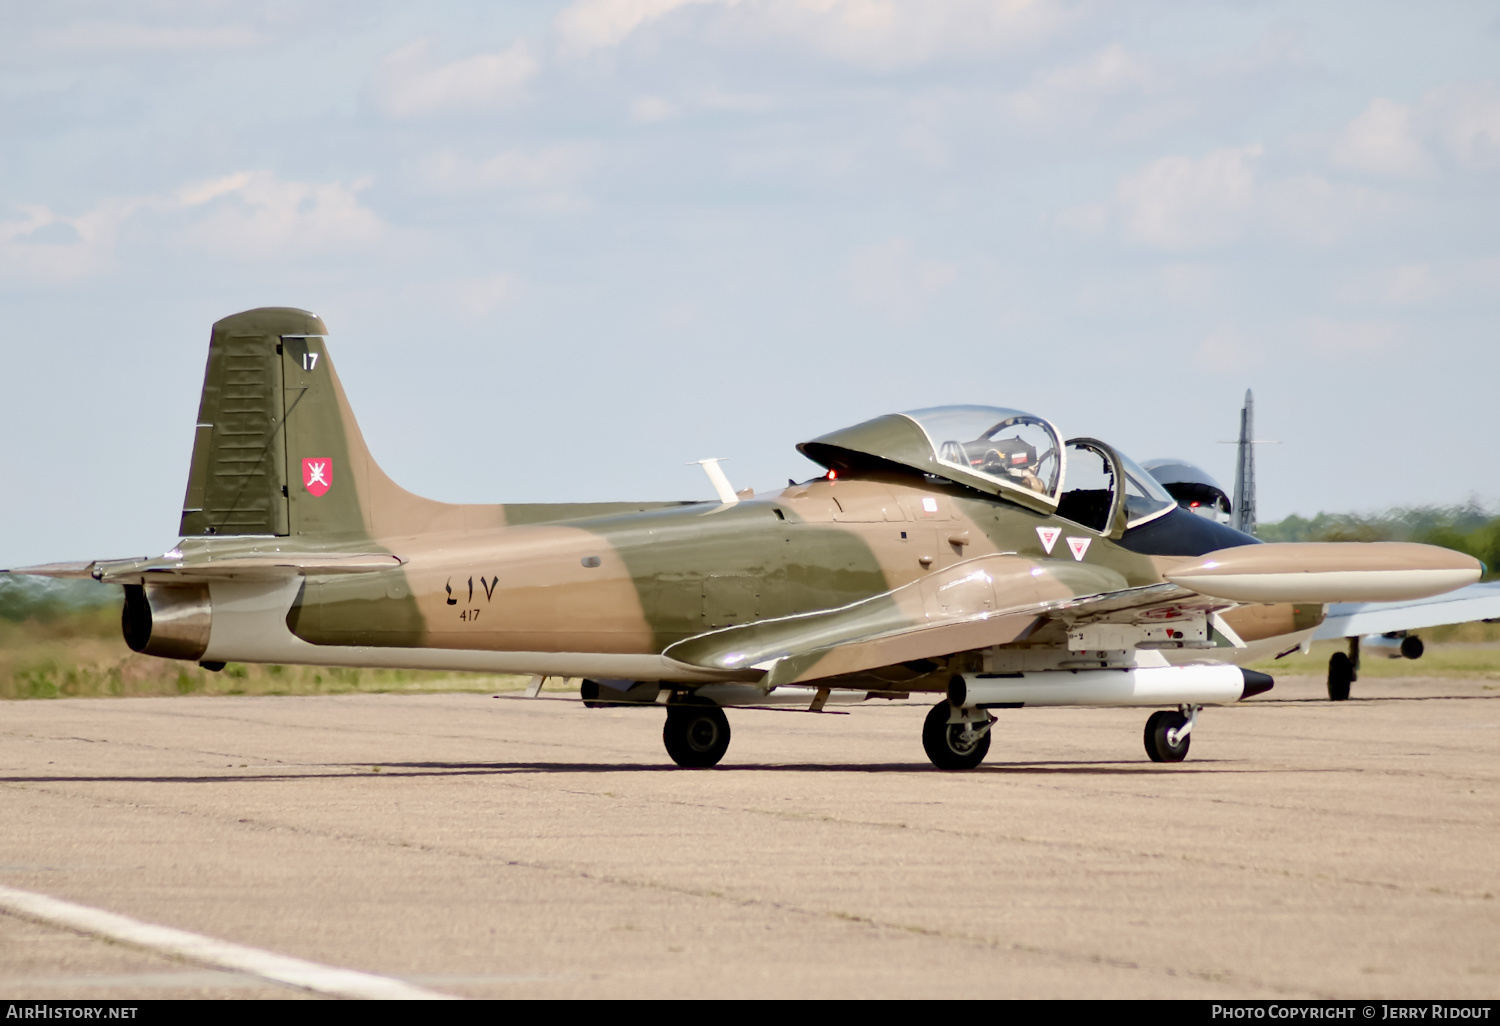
(888,575)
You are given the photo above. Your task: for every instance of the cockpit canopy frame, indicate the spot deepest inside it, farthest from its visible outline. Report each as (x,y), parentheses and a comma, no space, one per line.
(992,449)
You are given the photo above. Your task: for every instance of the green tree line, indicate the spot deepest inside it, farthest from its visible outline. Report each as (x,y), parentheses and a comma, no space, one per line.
(1471,527)
(43,598)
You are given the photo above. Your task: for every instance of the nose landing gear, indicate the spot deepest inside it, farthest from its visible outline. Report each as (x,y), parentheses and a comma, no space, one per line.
(1169,733)
(954,738)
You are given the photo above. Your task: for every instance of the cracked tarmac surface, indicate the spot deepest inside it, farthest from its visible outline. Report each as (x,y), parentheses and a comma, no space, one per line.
(518,848)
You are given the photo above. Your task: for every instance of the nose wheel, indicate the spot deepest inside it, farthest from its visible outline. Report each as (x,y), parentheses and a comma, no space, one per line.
(1169,733)
(696,736)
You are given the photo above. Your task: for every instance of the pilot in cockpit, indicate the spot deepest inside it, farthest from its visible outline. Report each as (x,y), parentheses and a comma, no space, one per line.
(1013,458)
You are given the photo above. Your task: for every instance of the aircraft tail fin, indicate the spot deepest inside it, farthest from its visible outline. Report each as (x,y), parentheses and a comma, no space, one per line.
(277,450)
(1243,518)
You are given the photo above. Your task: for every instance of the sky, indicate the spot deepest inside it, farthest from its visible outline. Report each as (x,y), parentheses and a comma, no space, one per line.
(564,248)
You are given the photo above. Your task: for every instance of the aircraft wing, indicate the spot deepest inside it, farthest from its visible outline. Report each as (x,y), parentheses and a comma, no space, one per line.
(249,566)
(1002,598)
(1352,619)
(989,600)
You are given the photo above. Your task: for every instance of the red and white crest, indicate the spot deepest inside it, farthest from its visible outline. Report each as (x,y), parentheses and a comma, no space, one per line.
(1079,546)
(1049,537)
(317,474)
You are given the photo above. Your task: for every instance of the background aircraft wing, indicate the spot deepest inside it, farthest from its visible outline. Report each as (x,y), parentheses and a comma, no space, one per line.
(1353,619)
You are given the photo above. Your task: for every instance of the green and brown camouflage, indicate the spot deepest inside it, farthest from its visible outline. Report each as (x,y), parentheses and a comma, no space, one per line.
(914,559)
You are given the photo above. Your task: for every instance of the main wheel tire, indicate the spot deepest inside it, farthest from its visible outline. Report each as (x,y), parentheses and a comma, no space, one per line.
(941,740)
(1158,746)
(696,736)
(1340,676)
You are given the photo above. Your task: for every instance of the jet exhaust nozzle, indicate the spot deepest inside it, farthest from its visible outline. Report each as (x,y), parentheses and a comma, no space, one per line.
(170,621)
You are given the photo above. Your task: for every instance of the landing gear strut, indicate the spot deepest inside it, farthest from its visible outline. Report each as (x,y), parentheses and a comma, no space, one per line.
(1343,670)
(956,738)
(696,735)
(1169,733)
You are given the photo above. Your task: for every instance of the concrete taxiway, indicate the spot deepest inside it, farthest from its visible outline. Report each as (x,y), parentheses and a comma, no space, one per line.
(512,848)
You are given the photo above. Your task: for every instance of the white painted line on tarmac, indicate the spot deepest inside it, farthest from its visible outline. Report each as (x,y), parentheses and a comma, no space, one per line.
(195,947)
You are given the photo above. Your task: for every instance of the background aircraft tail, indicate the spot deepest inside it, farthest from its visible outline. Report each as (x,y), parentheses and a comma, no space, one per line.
(1243,517)
(278,452)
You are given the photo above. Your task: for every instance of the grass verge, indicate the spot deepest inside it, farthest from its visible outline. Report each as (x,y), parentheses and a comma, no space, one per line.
(83,656)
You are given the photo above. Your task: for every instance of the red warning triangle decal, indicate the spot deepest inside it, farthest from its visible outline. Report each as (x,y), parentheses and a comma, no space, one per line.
(1079,546)
(1048,536)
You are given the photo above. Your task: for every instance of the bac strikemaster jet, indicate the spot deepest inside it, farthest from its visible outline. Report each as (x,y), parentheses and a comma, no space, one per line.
(966,555)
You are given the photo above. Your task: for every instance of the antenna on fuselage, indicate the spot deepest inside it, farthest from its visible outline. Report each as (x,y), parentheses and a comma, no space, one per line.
(716,475)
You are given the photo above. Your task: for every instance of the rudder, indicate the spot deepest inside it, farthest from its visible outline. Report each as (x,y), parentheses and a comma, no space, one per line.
(277,451)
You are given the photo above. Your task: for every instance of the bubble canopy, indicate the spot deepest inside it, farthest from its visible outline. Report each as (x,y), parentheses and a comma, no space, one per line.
(991,448)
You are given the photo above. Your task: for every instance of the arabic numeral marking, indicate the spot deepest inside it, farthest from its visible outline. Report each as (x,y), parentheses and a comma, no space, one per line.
(309,361)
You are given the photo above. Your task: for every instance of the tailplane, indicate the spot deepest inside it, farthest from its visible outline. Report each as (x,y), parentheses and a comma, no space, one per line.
(277,450)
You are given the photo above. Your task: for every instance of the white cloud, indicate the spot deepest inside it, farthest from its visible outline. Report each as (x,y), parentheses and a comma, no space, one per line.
(1182,203)
(1466,118)
(1406,285)
(1224,350)
(1077,90)
(1381,141)
(1192,283)
(1087,218)
(552,168)
(874,33)
(480,296)
(408,83)
(99,36)
(651,110)
(600,24)
(741,103)
(254,214)
(889,276)
(1350,337)
(48,247)
(1312,209)
(1459,119)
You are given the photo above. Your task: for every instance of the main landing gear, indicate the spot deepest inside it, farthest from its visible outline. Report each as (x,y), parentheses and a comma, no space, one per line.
(1169,733)
(956,739)
(696,734)
(1343,670)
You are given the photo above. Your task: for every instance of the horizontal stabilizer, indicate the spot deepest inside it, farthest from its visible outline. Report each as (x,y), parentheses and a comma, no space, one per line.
(59,570)
(245,567)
